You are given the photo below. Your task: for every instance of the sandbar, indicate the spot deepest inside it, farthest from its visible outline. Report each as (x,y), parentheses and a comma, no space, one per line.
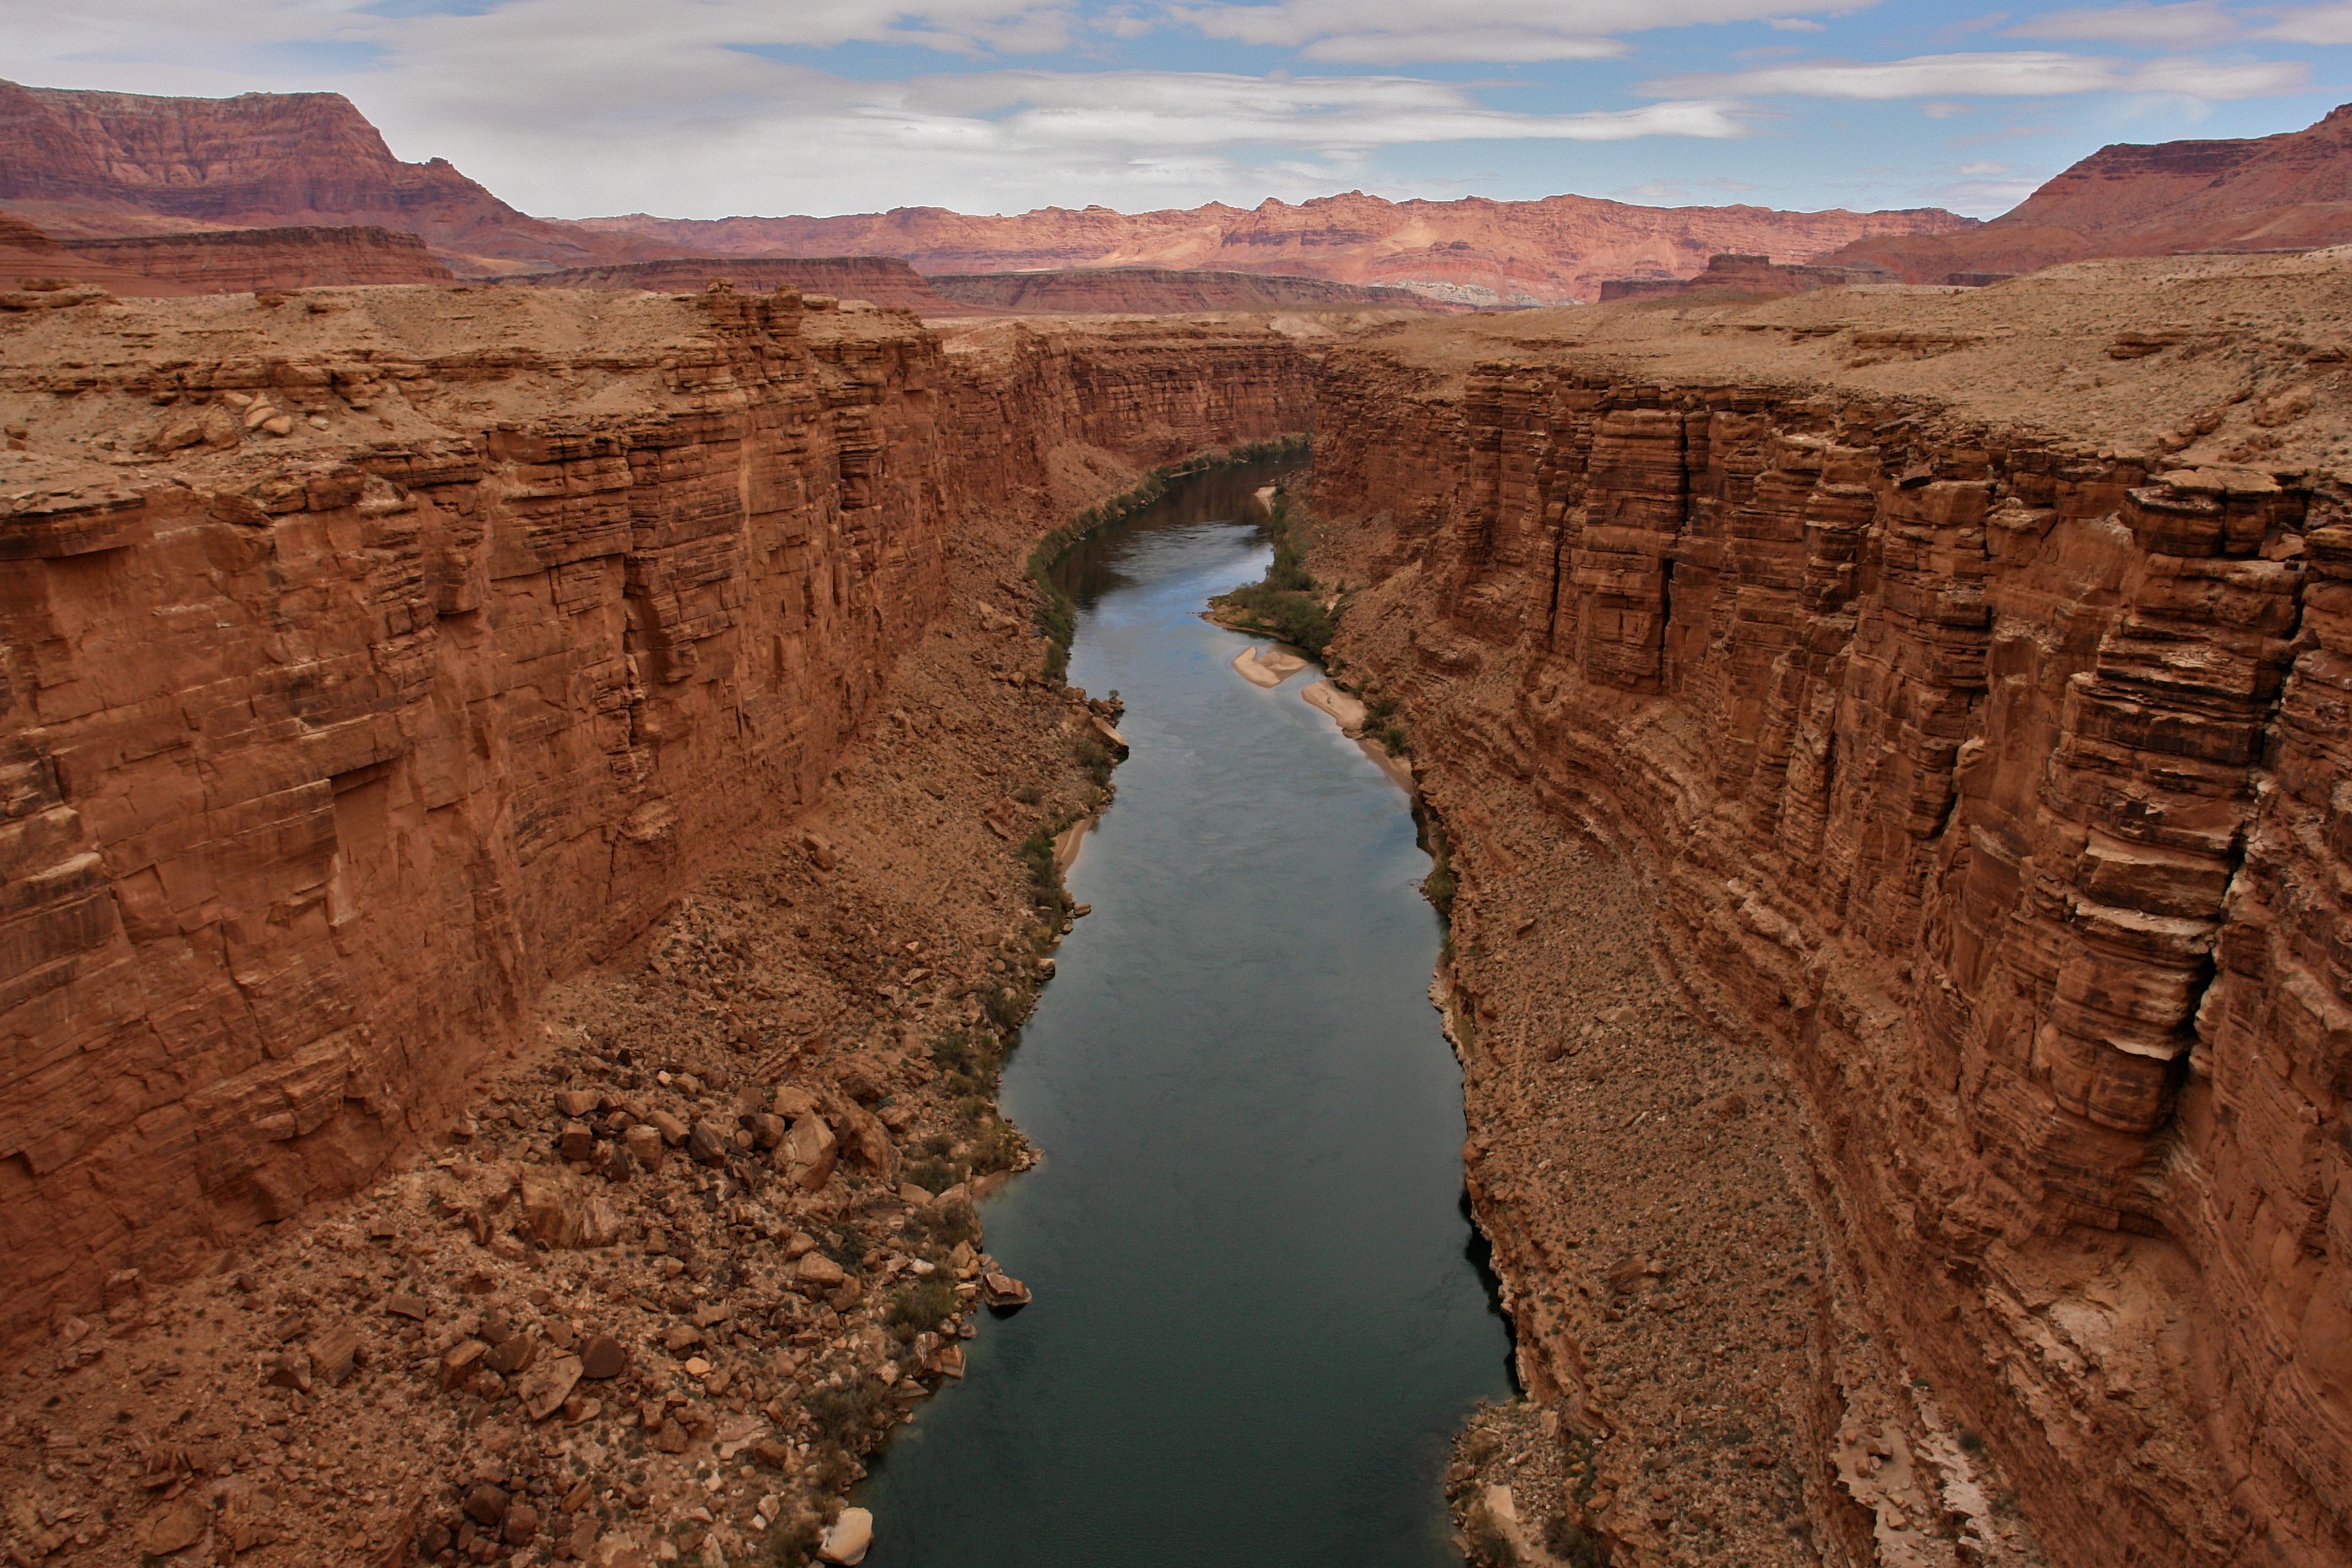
(1266,667)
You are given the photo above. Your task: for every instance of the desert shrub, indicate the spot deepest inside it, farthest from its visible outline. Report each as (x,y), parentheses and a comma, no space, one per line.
(996,1149)
(947,1224)
(921,1305)
(1094,756)
(846,1416)
(1571,1543)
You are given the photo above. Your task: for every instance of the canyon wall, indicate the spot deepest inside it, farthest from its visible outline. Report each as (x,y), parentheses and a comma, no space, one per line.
(235,260)
(1160,290)
(2286,192)
(368,659)
(878,280)
(1996,778)
(111,163)
(1472,251)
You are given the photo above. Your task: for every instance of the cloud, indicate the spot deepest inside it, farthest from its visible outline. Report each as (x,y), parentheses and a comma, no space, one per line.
(1397,32)
(2195,22)
(2330,24)
(778,137)
(2010,73)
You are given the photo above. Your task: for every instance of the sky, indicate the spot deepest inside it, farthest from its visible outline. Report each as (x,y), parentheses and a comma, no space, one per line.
(711,108)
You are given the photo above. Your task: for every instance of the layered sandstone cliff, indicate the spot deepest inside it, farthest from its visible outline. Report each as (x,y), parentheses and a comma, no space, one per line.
(2288,192)
(1471,251)
(109,163)
(369,658)
(878,280)
(239,261)
(1965,679)
(1163,290)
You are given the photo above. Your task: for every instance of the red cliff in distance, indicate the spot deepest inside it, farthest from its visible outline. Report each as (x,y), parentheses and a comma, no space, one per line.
(2289,192)
(90,164)
(1472,251)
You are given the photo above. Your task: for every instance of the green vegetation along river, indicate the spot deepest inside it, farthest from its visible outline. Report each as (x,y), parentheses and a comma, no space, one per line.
(1259,1314)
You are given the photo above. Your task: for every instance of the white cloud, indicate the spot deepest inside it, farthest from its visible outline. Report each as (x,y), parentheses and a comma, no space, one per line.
(1395,32)
(2009,73)
(802,140)
(2193,22)
(2329,23)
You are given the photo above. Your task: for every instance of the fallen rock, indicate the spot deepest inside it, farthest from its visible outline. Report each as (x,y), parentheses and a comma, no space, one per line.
(335,1354)
(707,1145)
(512,1354)
(562,1214)
(849,1540)
(486,1505)
(817,1273)
(603,1356)
(1000,1289)
(809,1153)
(642,1143)
(546,1387)
(176,1528)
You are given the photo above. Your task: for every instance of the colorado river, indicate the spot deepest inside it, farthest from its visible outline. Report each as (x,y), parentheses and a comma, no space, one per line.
(1258,1320)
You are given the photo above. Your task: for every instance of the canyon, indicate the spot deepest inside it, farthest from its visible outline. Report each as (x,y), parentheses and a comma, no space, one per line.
(1885,745)
(1980,749)
(90,164)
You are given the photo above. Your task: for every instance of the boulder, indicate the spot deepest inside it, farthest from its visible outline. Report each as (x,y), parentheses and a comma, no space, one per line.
(546,1386)
(849,1539)
(808,1152)
(818,1273)
(561,1214)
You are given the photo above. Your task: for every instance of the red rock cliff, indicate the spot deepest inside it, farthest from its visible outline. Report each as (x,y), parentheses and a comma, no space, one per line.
(1995,777)
(1471,251)
(368,659)
(109,162)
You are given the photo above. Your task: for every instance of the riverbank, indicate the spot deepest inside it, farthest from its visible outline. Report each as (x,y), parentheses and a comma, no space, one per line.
(1245,1130)
(680,1268)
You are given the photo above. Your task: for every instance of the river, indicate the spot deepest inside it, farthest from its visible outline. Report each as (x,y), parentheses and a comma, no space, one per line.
(1259,1312)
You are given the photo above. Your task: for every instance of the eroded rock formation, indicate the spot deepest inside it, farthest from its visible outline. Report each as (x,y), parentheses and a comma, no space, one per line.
(2265,192)
(1160,290)
(367,660)
(239,261)
(109,163)
(878,280)
(1471,251)
(1986,760)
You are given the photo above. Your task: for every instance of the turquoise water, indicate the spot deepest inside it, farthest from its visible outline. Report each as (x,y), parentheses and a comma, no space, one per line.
(1259,1316)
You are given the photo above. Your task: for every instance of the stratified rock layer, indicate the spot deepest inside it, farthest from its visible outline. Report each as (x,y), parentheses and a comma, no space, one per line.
(369,658)
(1471,251)
(2288,192)
(1996,778)
(229,261)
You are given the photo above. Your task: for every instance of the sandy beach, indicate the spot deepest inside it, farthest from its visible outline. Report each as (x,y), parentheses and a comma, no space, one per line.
(1266,667)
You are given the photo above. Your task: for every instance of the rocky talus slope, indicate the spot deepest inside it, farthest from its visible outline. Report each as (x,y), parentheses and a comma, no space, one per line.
(377,667)
(1948,695)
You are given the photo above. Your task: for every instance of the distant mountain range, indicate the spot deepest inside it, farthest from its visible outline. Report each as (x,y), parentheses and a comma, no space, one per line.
(1467,251)
(87,166)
